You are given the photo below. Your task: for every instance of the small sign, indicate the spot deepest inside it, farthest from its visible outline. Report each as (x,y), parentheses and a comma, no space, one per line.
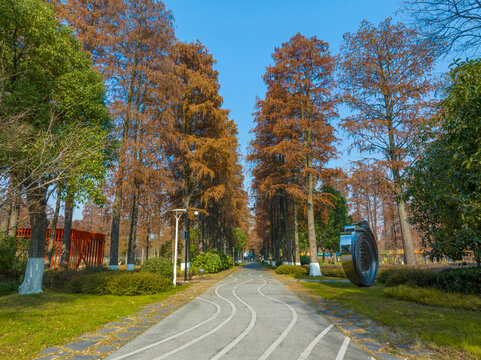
(183,234)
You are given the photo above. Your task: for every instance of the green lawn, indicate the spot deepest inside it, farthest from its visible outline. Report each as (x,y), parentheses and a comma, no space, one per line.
(443,327)
(30,323)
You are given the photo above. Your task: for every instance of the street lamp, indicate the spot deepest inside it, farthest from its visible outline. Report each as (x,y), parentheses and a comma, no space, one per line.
(178,214)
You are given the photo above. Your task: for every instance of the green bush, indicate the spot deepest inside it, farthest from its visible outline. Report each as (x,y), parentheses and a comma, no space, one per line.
(410,277)
(467,280)
(210,262)
(291,269)
(58,279)
(159,266)
(119,283)
(334,272)
(8,287)
(13,259)
(140,283)
(279,263)
(305,260)
(434,297)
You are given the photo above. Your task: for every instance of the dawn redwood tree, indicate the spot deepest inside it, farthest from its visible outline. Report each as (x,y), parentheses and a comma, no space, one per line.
(453,24)
(386,80)
(203,145)
(298,107)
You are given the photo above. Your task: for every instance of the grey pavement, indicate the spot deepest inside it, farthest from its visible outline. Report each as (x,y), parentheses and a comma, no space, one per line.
(248,315)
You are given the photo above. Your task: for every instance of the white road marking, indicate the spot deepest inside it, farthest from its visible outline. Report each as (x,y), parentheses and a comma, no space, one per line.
(311,346)
(196,340)
(342,350)
(175,335)
(246,330)
(179,333)
(286,331)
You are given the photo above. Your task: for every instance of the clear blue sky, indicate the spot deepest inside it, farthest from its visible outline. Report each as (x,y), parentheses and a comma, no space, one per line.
(242,35)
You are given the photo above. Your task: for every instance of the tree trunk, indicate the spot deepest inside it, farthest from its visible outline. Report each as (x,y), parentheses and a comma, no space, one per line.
(297,253)
(15,212)
(409,257)
(287,230)
(67,230)
(7,207)
(37,200)
(53,229)
(115,230)
(133,233)
(314,269)
(147,244)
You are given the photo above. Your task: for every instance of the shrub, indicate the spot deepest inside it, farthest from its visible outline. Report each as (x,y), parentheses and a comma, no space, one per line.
(411,277)
(467,280)
(58,279)
(291,269)
(305,260)
(159,266)
(434,297)
(119,283)
(140,283)
(8,287)
(333,272)
(210,262)
(13,259)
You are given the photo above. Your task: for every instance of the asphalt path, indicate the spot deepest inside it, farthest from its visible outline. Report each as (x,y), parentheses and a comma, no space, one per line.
(248,315)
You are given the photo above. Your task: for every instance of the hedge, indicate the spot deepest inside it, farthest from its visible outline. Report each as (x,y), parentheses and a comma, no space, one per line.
(119,283)
(160,266)
(291,269)
(465,280)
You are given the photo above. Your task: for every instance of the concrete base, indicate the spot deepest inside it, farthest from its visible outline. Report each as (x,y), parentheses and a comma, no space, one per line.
(130,267)
(314,269)
(298,263)
(182,266)
(32,284)
(113,267)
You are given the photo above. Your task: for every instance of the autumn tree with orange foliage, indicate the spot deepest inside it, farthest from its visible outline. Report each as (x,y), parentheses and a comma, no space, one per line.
(293,131)
(202,150)
(386,80)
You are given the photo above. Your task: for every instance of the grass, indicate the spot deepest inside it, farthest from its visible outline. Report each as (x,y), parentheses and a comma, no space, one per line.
(446,328)
(434,297)
(30,323)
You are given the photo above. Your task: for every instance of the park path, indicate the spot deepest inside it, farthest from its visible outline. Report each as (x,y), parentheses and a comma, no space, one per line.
(248,315)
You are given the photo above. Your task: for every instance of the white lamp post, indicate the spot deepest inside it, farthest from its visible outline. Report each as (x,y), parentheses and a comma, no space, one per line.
(177,214)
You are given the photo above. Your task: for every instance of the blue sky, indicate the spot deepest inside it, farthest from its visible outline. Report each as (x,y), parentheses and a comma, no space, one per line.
(242,35)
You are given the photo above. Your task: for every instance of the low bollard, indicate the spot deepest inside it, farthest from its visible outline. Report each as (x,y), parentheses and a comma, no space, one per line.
(359,255)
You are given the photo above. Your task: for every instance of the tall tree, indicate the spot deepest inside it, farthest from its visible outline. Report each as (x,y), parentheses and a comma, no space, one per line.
(203,146)
(445,185)
(453,24)
(298,107)
(52,100)
(386,79)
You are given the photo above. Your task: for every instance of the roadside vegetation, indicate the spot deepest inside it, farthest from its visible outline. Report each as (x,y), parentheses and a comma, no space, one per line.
(60,317)
(439,308)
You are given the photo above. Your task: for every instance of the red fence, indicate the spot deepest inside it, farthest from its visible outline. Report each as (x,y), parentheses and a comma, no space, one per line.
(85,246)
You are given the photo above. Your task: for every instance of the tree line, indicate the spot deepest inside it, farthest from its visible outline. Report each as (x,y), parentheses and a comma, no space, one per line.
(100,103)
(412,182)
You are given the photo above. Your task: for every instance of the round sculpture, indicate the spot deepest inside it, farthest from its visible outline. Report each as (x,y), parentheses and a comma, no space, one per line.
(359,254)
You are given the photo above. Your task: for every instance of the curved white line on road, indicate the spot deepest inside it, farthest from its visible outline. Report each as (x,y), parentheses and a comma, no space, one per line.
(175,335)
(308,350)
(286,331)
(181,332)
(196,340)
(343,349)
(246,330)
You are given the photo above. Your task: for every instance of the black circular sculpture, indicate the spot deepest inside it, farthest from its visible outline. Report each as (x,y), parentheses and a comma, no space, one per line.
(359,255)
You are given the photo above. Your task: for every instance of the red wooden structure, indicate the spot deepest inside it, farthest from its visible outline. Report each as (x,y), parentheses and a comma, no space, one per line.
(85,246)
